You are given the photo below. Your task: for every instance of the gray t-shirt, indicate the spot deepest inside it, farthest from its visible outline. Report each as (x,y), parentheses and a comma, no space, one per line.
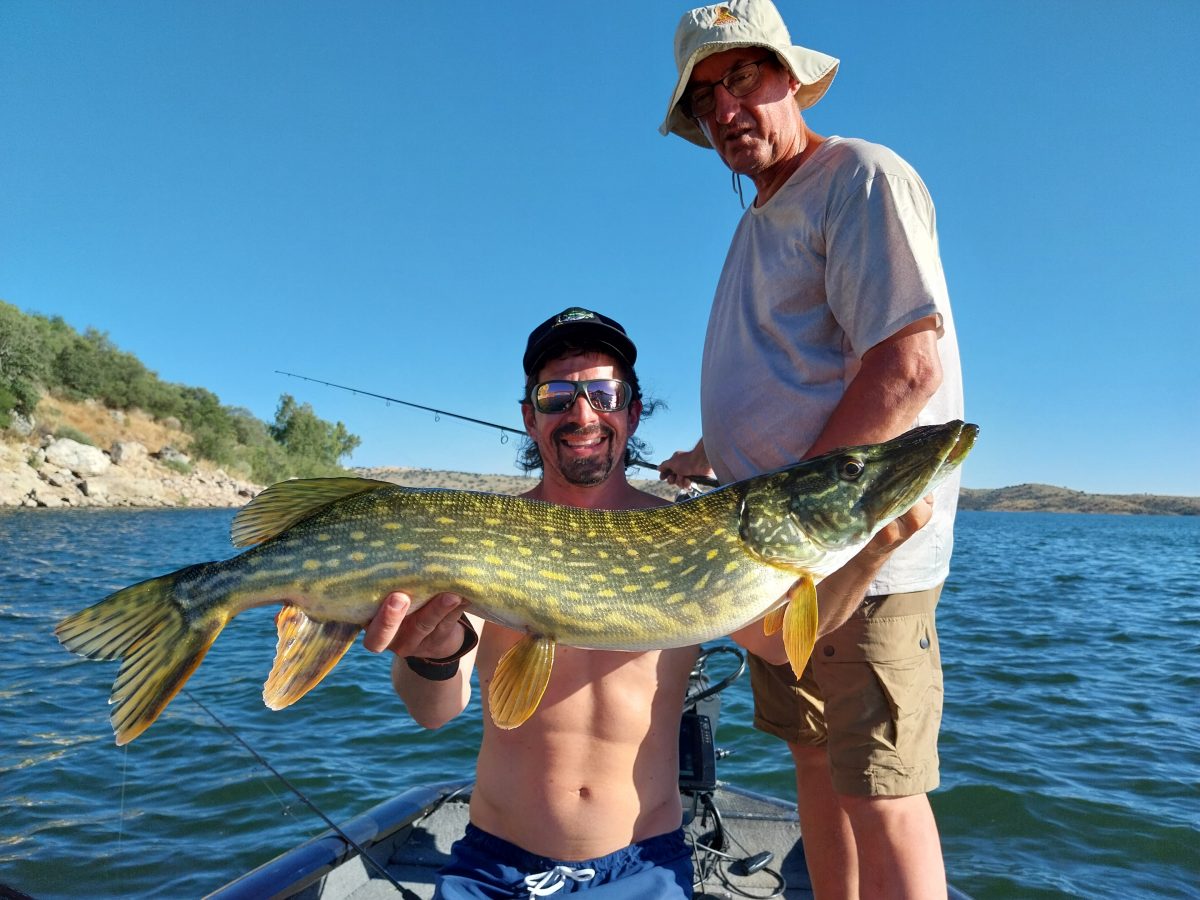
(841,258)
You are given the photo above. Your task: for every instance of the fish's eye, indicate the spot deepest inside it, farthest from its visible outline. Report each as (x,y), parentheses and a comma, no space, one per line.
(851,467)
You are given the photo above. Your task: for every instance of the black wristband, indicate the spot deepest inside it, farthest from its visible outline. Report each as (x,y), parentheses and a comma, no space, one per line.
(432,671)
(446,667)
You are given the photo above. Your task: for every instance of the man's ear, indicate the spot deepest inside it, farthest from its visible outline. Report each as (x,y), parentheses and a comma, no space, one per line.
(528,419)
(635,415)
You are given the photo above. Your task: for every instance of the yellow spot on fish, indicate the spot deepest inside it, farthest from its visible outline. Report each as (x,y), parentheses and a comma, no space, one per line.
(603,554)
(712,554)
(525,551)
(493,560)
(573,595)
(377,543)
(703,582)
(474,571)
(631,588)
(357,535)
(606,592)
(449,539)
(435,569)
(677,597)
(488,542)
(553,576)
(310,564)
(406,548)
(675,560)
(661,585)
(504,573)
(596,576)
(620,570)
(442,520)
(645,570)
(556,541)
(333,563)
(731,566)
(322,537)
(493,522)
(391,526)
(358,557)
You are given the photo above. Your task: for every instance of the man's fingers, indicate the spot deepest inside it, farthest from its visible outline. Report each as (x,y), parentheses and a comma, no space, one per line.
(381,630)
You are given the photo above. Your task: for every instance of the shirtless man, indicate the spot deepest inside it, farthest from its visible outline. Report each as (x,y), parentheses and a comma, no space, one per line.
(587,789)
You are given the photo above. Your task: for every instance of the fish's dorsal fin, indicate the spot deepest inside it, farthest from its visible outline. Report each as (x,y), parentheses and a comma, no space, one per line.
(306,651)
(520,680)
(800,623)
(284,504)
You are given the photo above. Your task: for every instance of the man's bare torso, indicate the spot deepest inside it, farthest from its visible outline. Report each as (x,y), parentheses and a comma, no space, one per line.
(596,767)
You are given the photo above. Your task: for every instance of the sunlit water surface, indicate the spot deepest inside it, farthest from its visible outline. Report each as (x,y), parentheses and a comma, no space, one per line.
(1070,747)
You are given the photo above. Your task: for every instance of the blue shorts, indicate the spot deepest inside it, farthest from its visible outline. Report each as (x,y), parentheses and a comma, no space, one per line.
(485,866)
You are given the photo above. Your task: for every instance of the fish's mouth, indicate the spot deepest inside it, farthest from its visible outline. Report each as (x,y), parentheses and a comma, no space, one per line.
(917,463)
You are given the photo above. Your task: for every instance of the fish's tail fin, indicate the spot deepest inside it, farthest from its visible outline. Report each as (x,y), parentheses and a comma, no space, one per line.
(145,626)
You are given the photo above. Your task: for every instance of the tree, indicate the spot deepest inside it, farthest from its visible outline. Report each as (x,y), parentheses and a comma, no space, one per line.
(303,434)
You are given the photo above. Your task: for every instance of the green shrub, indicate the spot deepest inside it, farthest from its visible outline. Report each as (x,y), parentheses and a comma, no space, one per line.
(73,434)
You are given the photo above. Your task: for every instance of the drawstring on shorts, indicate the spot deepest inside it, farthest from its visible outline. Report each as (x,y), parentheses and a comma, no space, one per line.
(542,884)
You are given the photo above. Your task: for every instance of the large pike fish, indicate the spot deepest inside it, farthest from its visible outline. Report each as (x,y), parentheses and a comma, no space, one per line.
(330,550)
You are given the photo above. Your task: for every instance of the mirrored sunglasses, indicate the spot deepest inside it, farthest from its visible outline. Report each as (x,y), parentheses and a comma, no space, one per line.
(604,395)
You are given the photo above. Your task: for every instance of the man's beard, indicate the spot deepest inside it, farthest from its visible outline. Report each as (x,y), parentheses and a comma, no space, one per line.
(590,470)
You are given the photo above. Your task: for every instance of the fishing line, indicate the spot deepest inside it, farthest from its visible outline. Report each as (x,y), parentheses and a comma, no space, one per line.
(504,429)
(295,790)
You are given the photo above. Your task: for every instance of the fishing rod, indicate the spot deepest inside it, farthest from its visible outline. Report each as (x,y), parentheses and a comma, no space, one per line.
(295,790)
(504,429)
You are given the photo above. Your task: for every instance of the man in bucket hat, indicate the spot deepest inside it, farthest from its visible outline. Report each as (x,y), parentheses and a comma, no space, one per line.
(584,795)
(830,327)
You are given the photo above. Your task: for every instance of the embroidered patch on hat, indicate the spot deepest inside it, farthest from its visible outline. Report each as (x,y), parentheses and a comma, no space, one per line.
(574,314)
(724,16)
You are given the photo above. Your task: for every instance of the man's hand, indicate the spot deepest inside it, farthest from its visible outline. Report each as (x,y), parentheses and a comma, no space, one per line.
(897,532)
(432,632)
(685,463)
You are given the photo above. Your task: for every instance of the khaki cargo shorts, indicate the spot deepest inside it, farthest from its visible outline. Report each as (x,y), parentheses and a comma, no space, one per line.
(872,693)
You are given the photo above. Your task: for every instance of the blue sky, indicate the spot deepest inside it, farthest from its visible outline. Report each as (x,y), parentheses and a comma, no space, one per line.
(391,195)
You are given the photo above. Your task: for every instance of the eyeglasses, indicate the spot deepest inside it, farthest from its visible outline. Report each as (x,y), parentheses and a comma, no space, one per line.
(604,394)
(702,99)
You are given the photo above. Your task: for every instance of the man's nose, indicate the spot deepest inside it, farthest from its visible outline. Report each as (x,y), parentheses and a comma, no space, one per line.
(581,410)
(726,105)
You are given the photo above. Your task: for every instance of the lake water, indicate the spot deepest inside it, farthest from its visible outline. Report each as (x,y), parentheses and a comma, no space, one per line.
(1070,746)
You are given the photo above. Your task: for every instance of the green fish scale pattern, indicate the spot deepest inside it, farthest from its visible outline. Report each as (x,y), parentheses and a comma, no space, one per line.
(590,578)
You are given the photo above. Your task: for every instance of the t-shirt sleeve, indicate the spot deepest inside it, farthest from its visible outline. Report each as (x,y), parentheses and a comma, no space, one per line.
(882,272)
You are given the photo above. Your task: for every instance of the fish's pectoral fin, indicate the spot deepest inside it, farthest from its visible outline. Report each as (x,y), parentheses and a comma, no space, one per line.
(773,620)
(520,680)
(800,623)
(282,505)
(306,651)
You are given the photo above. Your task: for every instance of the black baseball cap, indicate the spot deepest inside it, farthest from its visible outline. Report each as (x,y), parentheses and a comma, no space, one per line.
(581,328)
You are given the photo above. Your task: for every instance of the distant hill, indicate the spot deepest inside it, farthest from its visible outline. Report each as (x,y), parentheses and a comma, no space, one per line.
(1021,498)
(1046,498)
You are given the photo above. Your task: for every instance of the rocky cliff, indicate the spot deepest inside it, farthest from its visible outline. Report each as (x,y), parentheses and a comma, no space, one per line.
(61,472)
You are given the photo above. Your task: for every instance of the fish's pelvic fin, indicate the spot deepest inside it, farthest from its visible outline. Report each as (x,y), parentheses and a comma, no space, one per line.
(520,680)
(306,651)
(159,647)
(285,503)
(800,623)
(773,620)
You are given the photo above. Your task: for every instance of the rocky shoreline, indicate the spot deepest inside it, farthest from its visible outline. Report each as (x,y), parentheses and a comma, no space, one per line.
(64,474)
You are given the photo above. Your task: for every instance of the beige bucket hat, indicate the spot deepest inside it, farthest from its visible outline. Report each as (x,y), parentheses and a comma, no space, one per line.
(741,23)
